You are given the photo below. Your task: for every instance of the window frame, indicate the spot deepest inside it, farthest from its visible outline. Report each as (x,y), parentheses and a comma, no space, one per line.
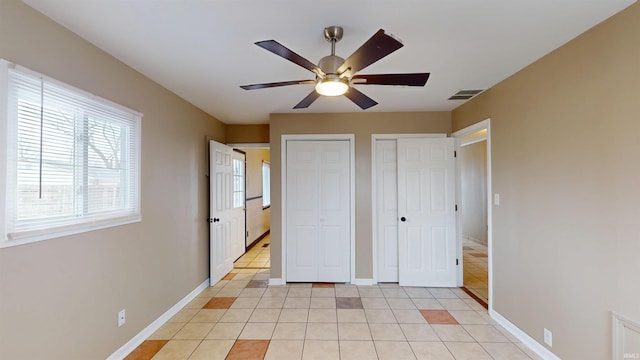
(234,177)
(9,143)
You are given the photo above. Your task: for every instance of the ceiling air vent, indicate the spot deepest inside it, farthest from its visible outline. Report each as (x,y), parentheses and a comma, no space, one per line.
(464,94)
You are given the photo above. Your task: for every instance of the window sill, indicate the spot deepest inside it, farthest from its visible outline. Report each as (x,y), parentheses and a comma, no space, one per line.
(48,234)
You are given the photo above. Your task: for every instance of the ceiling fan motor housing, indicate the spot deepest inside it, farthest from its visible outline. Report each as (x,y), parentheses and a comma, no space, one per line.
(330,64)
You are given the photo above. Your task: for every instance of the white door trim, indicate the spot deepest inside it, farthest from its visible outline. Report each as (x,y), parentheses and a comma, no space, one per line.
(352,188)
(484,124)
(374,195)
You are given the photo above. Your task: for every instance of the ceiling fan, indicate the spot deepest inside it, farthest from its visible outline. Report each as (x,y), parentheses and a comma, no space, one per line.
(336,76)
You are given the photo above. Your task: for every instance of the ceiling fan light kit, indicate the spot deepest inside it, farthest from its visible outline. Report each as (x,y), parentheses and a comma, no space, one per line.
(332,85)
(336,76)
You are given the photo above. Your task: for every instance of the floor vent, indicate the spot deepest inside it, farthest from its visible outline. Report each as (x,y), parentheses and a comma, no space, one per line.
(465,94)
(265,245)
(626,337)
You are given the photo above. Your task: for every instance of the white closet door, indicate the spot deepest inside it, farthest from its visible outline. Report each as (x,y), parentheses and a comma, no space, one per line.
(302,211)
(426,208)
(318,211)
(387,210)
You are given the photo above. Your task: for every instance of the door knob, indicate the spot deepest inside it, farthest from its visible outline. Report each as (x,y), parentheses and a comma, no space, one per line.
(403,219)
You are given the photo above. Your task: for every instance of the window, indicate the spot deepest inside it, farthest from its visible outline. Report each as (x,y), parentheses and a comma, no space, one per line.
(238,183)
(266,184)
(71,159)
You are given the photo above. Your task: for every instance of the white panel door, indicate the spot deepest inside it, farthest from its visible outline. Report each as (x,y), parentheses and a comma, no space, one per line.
(426,208)
(220,212)
(318,211)
(238,231)
(387,210)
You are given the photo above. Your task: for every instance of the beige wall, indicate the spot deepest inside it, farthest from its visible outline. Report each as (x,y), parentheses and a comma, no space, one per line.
(565,161)
(59,298)
(363,125)
(257,218)
(247,134)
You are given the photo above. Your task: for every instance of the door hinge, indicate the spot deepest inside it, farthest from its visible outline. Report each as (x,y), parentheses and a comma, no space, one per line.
(456,262)
(455,153)
(456,207)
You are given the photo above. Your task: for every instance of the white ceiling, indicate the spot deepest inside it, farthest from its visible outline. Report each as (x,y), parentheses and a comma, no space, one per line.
(203,50)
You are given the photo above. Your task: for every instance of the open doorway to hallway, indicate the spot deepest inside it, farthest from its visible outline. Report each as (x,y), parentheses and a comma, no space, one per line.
(474,174)
(257,208)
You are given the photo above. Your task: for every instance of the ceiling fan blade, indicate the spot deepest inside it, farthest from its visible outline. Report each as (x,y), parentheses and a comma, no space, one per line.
(307,100)
(282,51)
(417,79)
(377,47)
(360,99)
(276,84)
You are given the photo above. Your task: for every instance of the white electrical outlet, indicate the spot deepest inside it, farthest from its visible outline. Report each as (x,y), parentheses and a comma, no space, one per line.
(121,317)
(548,337)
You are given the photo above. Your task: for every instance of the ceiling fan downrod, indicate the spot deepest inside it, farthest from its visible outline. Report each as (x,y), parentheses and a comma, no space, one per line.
(330,63)
(333,34)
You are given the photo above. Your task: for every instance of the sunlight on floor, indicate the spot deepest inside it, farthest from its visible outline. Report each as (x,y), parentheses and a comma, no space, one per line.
(475,269)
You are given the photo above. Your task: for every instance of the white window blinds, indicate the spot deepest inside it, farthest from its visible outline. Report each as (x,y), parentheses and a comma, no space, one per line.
(72,158)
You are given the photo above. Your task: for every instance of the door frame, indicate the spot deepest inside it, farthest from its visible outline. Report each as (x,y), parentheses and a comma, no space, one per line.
(482,125)
(244,231)
(352,187)
(374,184)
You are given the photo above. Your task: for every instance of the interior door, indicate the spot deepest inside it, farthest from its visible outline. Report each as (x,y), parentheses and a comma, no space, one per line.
(387,210)
(238,208)
(220,212)
(426,210)
(318,211)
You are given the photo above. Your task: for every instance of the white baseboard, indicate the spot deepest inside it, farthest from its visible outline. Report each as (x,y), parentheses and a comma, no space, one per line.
(527,340)
(280,281)
(363,282)
(132,344)
(276,281)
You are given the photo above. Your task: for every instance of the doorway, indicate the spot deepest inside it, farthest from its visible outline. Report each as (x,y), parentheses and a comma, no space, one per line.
(258,207)
(474,215)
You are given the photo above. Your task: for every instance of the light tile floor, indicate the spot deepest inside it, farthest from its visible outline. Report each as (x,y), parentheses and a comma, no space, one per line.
(242,317)
(257,257)
(475,269)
